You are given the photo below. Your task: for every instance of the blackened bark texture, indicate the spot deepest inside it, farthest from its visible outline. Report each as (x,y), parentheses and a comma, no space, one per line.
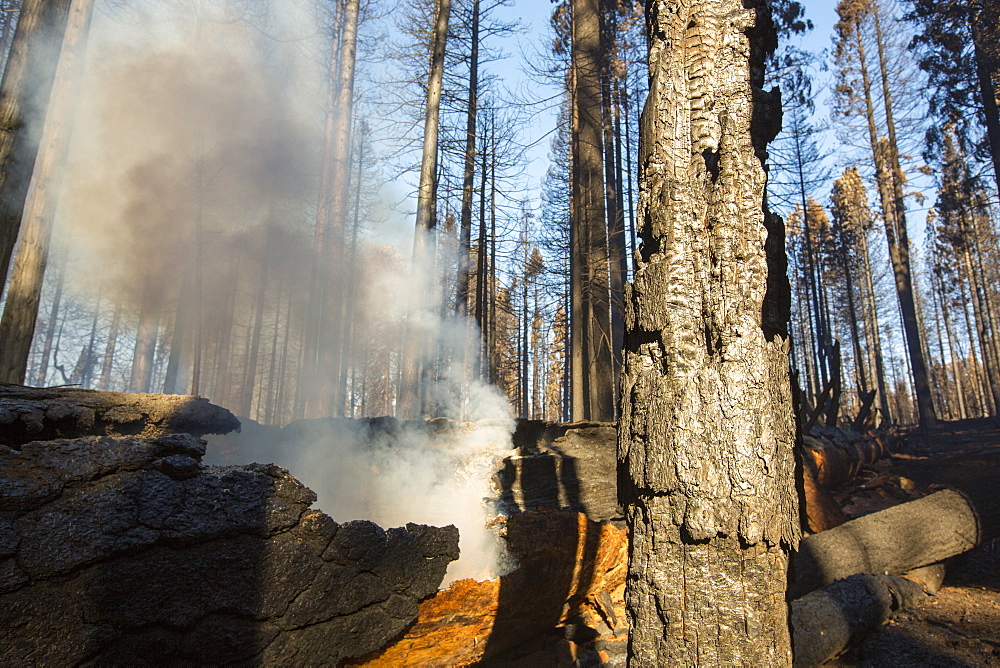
(706,467)
(592,331)
(24,96)
(469,171)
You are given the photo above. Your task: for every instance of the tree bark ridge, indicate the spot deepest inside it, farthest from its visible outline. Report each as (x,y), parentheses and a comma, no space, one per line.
(706,464)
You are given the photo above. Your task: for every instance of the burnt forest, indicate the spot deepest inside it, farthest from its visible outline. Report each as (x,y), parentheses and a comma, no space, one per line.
(529,333)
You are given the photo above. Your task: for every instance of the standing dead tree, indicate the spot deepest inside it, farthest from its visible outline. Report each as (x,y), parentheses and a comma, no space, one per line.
(24,96)
(706,434)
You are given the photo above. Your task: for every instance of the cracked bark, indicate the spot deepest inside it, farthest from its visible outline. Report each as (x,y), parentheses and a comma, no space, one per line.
(706,468)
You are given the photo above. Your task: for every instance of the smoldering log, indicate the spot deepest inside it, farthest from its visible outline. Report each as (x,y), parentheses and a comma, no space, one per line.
(891,541)
(39,414)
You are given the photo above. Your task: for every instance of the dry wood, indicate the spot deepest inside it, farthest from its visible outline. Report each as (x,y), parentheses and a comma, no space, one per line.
(33,414)
(707,429)
(837,455)
(893,541)
(825,621)
(821,512)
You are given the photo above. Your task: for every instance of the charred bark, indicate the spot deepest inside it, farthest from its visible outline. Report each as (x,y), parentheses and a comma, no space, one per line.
(592,335)
(706,464)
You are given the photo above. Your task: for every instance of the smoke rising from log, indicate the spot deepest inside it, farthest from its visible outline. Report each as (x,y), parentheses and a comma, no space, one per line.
(190,195)
(190,127)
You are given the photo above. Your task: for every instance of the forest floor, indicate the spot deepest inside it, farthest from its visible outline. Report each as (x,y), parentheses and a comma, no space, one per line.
(960,626)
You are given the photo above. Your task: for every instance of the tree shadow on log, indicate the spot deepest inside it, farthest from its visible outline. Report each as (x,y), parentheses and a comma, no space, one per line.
(142,556)
(555,547)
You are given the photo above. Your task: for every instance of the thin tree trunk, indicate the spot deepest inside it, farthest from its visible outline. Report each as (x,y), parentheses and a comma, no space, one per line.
(492,350)
(617,256)
(481,267)
(17,327)
(332,347)
(179,337)
(706,394)
(423,242)
(223,362)
(577,258)
(868,286)
(309,388)
(24,95)
(984,402)
(349,314)
(197,324)
(947,398)
(853,315)
(87,370)
(279,401)
(469,172)
(537,406)
(250,370)
(813,283)
(145,339)
(107,364)
(982,332)
(628,167)
(988,293)
(901,257)
(959,389)
(50,329)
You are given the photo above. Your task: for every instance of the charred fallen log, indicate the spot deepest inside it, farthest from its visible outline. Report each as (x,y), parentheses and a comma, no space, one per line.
(826,621)
(837,455)
(892,541)
(130,552)
(40,414)
(570,579)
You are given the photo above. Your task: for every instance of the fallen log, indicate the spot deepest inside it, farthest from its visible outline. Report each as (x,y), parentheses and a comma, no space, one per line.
(891,541)
(826,621)
(42,414)
(837,455)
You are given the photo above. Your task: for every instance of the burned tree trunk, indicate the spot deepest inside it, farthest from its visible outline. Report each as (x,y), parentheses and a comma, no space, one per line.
(24,93)
(592,327)
(706,433)
(411,404)
(17,327)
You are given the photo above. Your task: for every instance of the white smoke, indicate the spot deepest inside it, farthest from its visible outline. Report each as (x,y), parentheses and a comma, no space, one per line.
(199,128)
(438,472)
(416,475)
